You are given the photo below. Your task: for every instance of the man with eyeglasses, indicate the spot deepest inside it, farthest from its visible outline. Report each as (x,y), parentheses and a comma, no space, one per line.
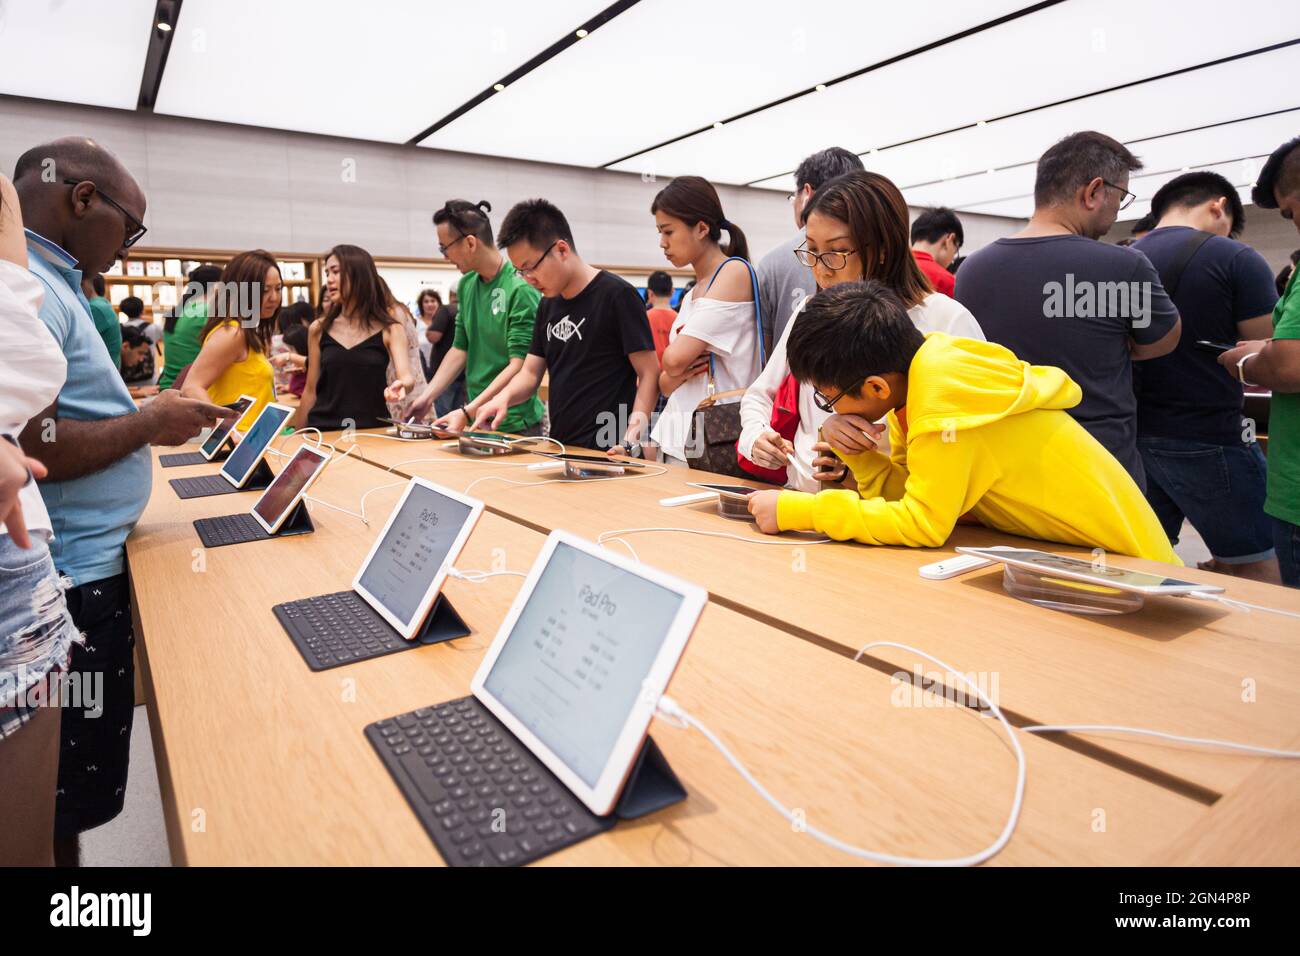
(494,324)
(83,210)
(1054,295)
(783,281)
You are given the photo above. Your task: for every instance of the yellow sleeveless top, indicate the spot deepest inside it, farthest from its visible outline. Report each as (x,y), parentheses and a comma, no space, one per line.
(253,375)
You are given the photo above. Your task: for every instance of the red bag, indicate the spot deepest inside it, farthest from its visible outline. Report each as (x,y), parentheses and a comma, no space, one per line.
(785,422)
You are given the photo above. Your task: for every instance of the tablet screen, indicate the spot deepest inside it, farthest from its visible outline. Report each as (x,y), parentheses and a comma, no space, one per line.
(1045,563)
(573,664)
(281,493)
(412,551)
(223,427)
(249,451)
(731,491)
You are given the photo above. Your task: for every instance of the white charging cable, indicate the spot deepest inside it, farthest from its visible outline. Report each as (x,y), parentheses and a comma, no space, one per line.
(678,716)
(617,535)
(1239,605)
(478,577)
(567,481)
(1140,732)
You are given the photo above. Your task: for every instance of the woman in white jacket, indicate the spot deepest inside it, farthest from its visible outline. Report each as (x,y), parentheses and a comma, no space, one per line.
(856,228)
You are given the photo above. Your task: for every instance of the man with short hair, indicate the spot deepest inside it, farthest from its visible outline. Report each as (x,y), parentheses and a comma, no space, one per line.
(1055,296)
(496,310)
(591,336)
(1275,363)
(660,312)
(94,444)
(783,281)
(1201,463)
(937,237)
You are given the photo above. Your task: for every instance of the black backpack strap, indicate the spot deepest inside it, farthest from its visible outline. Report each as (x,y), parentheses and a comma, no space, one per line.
(1171,276)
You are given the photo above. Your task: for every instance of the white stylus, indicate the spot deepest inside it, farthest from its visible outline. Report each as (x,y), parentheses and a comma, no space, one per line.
(687,499)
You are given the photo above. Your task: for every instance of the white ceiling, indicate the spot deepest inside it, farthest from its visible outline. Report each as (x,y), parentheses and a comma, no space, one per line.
(99,57)
(668,70)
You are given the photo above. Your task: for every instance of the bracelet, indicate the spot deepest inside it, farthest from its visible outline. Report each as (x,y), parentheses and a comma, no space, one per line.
(1241,370)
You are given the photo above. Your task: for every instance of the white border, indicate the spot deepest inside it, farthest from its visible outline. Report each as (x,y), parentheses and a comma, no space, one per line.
(1004,557)
(262,452)
(601,798)
(229,424)
(322,458)
(717,489)
(409,628)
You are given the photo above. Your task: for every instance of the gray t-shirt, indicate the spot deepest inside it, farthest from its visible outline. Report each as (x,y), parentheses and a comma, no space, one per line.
(782,283)
(1074,303)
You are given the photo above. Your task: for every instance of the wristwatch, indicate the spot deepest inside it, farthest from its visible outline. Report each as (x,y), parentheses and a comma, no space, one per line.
(634,449)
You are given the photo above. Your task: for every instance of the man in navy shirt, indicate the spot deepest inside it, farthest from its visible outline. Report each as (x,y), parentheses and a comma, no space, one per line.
(1055,296)
(1201,459)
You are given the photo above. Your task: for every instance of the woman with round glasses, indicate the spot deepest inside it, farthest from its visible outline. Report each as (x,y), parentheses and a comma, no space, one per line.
(856,228)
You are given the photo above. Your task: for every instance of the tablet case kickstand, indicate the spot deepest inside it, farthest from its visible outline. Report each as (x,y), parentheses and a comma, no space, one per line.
(651,786)
(298,522)
(444,623)
(261,477)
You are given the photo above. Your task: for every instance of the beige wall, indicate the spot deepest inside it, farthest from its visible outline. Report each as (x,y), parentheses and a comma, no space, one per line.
(213,185)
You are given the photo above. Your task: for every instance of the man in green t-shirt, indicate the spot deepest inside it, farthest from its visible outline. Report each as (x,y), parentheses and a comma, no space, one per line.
(107,323)
(1275,363)
(494,324)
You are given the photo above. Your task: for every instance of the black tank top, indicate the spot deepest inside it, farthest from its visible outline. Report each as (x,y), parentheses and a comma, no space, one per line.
(351,384)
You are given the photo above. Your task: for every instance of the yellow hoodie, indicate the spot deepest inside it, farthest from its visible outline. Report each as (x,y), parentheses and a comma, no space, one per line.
(987,434)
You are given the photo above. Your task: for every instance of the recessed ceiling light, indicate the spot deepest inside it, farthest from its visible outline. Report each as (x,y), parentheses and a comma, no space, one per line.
(982,123)
(717,124)
(992,171)
(872,151)
(165,27)
(498,87)
(819,87)
(581,34)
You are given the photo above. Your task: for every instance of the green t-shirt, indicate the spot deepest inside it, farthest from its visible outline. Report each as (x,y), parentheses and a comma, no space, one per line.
(181,345)
(1283,499)
(493,325)
(108,327)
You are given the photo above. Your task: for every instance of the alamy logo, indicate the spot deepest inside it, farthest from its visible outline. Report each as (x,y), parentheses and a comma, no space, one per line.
(564,330)
(102,909)
(1098,300)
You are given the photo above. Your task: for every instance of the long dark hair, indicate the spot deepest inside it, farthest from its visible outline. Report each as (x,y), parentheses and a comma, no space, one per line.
(693,199)
(200,279)
(245,271)
(876,214)
(427,294)
(360,289)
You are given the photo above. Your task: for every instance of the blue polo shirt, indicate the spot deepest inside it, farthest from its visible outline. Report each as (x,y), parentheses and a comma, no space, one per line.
(91,516)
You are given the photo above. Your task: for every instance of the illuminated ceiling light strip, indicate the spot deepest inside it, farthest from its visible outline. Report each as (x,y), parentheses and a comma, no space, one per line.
(820,87)
(1069,99)
(161,33)
(570,38)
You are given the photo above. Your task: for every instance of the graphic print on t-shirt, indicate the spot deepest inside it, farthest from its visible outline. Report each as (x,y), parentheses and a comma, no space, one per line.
(565,329)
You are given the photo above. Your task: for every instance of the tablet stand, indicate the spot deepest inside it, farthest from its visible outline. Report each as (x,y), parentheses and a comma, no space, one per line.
(650,787)
(575,470)
(444,623)
(260,479)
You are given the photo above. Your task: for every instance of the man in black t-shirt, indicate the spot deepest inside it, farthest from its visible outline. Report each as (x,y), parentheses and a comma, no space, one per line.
(591,336)
(1201,460)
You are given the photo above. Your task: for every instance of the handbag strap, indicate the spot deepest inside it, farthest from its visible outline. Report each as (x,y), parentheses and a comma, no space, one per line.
(1172,275)
(758,315)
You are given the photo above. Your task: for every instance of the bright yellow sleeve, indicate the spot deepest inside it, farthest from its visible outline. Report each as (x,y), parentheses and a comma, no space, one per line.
(936,492)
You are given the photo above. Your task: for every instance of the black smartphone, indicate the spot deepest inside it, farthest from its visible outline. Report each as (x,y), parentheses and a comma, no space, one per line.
(1218,348)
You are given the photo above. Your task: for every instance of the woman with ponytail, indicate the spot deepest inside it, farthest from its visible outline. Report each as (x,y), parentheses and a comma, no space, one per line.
(717,325)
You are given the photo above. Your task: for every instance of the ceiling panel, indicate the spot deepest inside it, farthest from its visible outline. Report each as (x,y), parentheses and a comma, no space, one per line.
(383,72)
(100,50)
(638,82)
(1066,50)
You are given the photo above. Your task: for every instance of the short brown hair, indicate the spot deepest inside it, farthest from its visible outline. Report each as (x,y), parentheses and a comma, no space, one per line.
(1077,160)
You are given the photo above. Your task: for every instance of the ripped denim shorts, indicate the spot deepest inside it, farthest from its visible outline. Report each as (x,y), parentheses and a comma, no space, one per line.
(36,630)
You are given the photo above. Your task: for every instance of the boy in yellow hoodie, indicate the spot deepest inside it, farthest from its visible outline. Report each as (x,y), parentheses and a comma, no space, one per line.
(973,432)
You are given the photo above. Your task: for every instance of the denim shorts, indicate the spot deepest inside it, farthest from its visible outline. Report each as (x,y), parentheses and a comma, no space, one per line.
(36,630)
(1218,488)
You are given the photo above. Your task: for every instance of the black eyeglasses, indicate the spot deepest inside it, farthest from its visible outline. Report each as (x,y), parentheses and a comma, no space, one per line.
(442,250)
(1127,197)
(529,270)
(828,404)
(135,229)
(831,261)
